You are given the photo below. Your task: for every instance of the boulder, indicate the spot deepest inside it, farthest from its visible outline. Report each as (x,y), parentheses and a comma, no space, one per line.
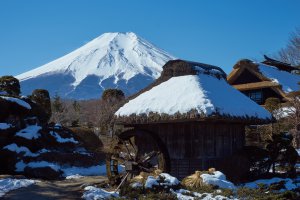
(43,172)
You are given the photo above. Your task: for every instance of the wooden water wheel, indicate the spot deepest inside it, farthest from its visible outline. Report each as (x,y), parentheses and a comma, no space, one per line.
(135,151)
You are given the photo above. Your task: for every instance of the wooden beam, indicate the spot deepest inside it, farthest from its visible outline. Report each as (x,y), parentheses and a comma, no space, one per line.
(258,85)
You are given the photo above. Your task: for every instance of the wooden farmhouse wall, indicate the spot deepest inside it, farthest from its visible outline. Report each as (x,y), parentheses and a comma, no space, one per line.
(197,145)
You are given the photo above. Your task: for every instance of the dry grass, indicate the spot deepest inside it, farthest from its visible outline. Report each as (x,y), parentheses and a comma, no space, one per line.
(195,181)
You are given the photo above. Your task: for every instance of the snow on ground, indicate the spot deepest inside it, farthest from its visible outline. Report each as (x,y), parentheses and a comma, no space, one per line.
(20,166)
(75,176)
(288,81)
(93,193)
(89,171)
(62,140)
(188,195)
(30,132)
(3,93)
(18,101)
(4,126)
(168,180)
(202,92)
(9,184)
(218,179)
(284,112)
(17,149)
(97,170)
(289,184)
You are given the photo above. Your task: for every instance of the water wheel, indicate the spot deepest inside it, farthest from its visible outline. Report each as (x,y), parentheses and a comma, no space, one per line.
(135,151)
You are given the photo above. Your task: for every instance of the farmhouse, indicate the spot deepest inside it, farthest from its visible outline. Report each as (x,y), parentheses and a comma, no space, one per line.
(194,117)
(260,81)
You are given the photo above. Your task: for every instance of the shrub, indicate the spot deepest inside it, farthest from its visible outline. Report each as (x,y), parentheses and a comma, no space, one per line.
(113,96)
(272,104)
(142,194)
(281,150)
(268,194)
(10,85)
(87,137)
(42,99)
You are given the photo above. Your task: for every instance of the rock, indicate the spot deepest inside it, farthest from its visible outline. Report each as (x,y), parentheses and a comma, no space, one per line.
(43,173)
(8,160)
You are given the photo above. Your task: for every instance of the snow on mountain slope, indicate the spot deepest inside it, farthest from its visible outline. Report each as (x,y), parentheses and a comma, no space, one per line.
(112,60)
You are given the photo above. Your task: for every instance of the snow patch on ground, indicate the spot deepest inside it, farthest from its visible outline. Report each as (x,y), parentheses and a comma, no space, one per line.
(18,101)
(4,126)
(20,166)
(9,184)
(284,112)
(17,149)
(188,195)
(289,185)
(97,170)
(218,179)
(151,181)
(168,180)
(62,140)
(30,132)
(75,176)
(93,193)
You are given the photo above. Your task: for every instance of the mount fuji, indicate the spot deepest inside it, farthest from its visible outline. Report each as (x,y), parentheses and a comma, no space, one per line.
(112,60)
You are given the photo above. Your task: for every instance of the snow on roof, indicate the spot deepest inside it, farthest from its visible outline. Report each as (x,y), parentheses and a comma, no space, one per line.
(18,101)
(204,93)
(288,80)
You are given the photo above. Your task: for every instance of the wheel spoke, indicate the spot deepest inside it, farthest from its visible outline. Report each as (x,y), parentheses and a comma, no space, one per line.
(140,150)
(123,180)
(149,156)
(128,151)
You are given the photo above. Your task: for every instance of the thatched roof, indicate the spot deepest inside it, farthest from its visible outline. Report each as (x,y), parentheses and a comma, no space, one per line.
(190,91)
(280,65)
(279,77)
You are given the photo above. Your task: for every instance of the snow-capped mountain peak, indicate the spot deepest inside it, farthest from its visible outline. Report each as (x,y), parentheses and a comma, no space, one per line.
(112,60)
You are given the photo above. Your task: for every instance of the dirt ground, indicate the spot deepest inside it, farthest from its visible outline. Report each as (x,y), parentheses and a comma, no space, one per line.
(64,189)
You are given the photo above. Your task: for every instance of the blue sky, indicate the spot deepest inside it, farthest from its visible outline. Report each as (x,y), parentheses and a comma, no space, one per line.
(35,32)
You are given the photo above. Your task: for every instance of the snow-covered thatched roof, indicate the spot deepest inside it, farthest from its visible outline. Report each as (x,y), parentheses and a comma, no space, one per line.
(188,90)
(287,80)
(280,78)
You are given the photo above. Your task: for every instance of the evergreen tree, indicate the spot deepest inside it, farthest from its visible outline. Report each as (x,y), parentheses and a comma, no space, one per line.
(76,108)
(42,99)
(10,85)
(58,109)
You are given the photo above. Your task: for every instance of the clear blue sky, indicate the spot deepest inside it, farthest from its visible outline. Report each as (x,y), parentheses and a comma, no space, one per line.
(33,33)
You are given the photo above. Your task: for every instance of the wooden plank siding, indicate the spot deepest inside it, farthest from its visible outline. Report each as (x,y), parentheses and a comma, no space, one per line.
(197,145)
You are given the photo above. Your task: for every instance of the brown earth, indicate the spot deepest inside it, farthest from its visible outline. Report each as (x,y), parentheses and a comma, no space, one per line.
(64,189)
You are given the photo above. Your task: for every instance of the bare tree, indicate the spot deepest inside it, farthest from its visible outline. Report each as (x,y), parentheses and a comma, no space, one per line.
(291,53)
(293,112)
